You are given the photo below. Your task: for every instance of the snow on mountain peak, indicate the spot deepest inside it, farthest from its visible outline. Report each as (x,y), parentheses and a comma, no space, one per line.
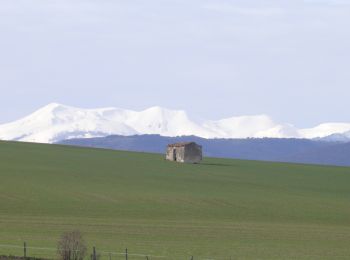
(325,129)
(56,122)
(52,107)
(241,126)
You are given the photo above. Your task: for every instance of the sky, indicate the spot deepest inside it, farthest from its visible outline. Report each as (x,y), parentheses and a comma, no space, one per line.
(213,58)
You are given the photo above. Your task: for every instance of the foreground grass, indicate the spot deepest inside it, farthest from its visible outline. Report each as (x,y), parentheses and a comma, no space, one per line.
(218,209)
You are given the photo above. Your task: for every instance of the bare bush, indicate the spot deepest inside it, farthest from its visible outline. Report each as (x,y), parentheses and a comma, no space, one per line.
(71,246)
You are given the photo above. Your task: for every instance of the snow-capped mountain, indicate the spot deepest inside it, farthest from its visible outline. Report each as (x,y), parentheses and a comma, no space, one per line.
(56,122)
(338,137)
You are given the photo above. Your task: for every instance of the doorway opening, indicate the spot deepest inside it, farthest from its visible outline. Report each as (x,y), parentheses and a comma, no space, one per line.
(174,155)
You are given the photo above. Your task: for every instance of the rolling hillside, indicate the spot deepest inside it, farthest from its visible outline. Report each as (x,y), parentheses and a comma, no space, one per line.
(214,210)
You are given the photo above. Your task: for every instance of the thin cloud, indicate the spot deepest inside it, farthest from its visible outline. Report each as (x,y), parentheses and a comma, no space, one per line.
(262,11)
(329,2)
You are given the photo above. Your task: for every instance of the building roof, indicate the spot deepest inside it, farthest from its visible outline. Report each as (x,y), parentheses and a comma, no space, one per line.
(180,144)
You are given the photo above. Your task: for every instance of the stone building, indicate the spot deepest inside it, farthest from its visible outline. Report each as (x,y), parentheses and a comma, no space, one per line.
(188,152)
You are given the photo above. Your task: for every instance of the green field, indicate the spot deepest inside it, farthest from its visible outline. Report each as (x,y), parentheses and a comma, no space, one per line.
(214,210)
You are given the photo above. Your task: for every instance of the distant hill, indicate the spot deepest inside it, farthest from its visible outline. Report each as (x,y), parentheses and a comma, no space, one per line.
(332,154)
(266,149)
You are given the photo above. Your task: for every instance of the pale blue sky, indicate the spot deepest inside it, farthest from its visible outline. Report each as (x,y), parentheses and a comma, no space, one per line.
(213,58)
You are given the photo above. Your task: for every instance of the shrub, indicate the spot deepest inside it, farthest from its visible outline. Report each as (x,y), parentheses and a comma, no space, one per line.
(71,246)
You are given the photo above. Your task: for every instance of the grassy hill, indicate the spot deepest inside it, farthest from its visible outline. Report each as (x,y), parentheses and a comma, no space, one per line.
(214,210)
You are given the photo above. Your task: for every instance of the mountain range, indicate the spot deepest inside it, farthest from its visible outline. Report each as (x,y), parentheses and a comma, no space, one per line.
(57,122)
